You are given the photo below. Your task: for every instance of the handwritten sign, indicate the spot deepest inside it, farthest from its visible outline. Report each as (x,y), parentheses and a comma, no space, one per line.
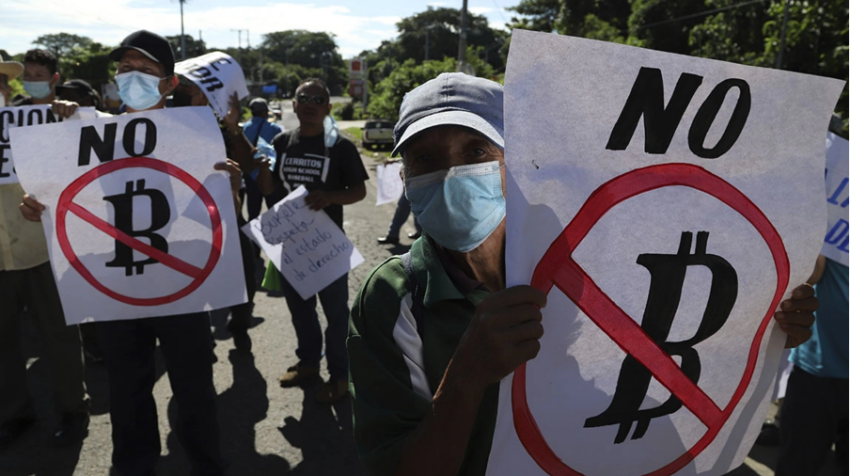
(836,240)
(138,222)
(26,116)
(666,205)
(305,245)
(218,75)
(390,187)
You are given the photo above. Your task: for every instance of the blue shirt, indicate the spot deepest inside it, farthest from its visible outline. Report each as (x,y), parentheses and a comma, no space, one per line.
(825,354)
(268,131)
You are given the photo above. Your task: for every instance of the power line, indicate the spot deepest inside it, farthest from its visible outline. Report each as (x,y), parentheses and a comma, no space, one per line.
(702,14)
(499,9)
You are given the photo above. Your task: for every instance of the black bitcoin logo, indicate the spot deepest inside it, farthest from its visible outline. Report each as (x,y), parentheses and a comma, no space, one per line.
(667,274)
(160,216)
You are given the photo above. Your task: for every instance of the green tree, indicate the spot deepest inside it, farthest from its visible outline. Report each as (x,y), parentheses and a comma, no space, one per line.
(90,63)
(193,47)
(61,44)
(316,51)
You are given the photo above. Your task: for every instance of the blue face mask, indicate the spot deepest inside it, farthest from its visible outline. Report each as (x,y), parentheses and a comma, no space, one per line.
(138,90)
(460,207)
(38,89)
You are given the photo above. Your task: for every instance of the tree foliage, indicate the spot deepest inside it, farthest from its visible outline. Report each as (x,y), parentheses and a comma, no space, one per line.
(729,30)
(193,47)
(61,44)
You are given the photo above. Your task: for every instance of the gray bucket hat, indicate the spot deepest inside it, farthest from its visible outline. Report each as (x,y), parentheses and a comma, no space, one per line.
(455,99)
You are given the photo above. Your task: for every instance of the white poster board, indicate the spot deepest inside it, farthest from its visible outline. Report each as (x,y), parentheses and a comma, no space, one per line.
(666,204)
(138,223)
(218,75)
(307,247)
(27,116)
(390,186)
(836,240)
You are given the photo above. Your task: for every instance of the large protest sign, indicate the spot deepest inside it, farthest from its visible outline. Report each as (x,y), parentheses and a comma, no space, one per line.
(390,186)
(218,75)
(836,240)
(138,223)
(306,246)
(27,116)
(666,205)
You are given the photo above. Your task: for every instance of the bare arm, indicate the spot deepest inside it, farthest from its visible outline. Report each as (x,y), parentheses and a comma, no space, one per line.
(503,334)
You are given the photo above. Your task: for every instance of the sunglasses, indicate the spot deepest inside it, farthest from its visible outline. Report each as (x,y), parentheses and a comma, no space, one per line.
(317,100)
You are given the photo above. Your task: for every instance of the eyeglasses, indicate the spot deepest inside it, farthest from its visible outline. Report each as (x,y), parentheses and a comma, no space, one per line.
(317,100)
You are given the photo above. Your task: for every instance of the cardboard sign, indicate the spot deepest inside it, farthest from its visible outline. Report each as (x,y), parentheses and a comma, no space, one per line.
(27,116)
(390,187)
(218,75)
(666,205)
(138,223)
(836,240)
(307,247)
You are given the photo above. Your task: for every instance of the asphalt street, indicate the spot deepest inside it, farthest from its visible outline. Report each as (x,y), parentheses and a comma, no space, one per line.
(266,430)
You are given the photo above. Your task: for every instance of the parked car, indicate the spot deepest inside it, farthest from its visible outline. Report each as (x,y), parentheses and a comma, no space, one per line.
(376,133)
(275,110)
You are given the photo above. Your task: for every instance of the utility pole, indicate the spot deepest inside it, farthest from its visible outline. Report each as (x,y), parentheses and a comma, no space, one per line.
(365,85)
(240,45)
(182,33)
(782,36)
(461,44)
(201,42)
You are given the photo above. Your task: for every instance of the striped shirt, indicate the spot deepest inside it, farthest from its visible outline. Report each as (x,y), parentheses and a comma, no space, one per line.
(395,366)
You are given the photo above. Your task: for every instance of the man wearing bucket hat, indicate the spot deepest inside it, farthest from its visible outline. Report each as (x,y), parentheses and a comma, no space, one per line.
(9,70)
(434,331)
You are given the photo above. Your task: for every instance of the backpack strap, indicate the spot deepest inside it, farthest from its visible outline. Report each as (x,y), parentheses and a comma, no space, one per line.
(418,292)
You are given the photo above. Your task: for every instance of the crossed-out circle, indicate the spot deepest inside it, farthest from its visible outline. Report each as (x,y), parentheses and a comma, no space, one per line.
(557,268)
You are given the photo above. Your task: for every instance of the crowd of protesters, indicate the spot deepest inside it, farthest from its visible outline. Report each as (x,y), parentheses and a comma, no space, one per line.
(421,405)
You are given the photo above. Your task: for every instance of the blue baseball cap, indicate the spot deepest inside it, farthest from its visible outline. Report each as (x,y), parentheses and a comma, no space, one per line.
(452,99)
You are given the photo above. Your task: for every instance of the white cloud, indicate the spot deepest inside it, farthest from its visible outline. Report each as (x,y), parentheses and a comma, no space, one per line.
(109,22)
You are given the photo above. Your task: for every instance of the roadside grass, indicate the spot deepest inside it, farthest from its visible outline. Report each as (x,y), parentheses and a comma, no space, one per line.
(355,134)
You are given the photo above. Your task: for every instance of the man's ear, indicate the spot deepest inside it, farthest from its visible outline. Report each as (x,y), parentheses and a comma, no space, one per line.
(169,85)
(55,81)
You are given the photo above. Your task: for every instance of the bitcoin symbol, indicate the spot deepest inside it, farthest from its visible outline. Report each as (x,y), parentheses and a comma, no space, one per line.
(160,216)
(667,274)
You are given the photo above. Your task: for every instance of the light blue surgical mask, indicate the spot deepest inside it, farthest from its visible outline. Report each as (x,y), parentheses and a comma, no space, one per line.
(138,90)
(460,207)
(38,89)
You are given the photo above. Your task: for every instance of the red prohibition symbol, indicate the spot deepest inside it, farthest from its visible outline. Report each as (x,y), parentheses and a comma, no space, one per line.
(557,268)
(66,204)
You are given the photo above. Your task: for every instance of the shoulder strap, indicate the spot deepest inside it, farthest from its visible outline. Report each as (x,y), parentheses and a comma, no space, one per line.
(417,292)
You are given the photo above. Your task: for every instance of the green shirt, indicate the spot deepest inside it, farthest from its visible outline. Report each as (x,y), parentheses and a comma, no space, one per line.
(395,368)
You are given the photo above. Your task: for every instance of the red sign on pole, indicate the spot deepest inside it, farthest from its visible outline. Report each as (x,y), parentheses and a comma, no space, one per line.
(557,268)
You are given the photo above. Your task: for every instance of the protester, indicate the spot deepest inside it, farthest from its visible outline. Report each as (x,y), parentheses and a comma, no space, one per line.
(145,76)
(402,211)
(26,282)
(238,148)
(333,174)
(255,129)
(80,92)
(425,406)
(40,77)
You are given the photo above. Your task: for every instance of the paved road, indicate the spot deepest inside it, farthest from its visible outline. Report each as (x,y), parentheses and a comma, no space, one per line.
(266,430)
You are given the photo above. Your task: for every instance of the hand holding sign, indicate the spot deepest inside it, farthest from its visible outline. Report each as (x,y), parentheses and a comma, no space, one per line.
(304,244)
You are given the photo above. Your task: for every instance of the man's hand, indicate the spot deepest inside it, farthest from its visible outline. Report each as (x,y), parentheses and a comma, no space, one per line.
(796,315)
(318,200)
(31,209)
(232,168)
(504,333)
(262,163)
(64,109)
(231,119)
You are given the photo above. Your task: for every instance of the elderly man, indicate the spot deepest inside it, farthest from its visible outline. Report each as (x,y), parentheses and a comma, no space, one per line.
(145,77)
(425,404)
(27,281)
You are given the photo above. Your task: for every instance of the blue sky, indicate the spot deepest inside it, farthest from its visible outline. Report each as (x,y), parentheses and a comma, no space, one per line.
(357,24)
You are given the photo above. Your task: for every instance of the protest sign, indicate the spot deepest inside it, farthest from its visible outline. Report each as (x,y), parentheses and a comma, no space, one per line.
(138,223)
(27,116)
(836,240)
(390,187)
(306,246)
(218,75)
(666,205)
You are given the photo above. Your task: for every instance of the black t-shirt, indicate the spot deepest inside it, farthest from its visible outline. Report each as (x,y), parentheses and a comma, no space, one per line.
(306,161)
